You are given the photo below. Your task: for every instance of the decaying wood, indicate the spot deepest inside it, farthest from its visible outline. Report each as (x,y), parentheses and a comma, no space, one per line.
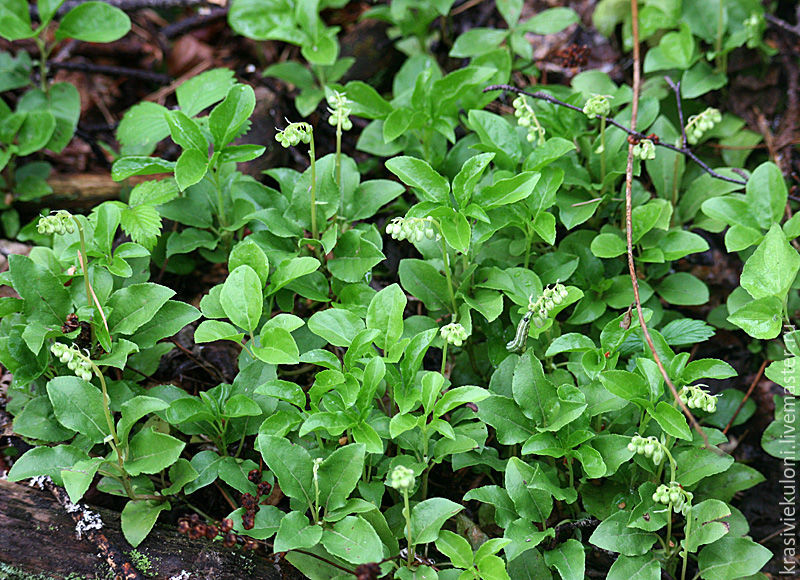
(38,536)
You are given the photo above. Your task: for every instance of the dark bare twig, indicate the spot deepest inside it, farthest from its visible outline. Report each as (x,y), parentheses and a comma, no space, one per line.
(196,21)
(782,24)
(682,150)
(747,395)
(97,151)
(676,88)
(637,85)
(121,71)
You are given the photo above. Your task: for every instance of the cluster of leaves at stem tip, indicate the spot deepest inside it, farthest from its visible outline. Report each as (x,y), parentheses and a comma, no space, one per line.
(542,387)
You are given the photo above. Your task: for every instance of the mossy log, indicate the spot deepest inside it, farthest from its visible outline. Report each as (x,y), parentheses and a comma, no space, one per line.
(38,541)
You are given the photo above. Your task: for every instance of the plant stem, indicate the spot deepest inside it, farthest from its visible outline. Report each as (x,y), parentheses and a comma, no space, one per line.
(223,220)
(312,158)
(407,513)
(340,209)
(448,275)
(43,54)
(602,155)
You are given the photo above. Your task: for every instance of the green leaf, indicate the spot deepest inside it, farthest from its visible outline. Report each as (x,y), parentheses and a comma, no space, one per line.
(47,9)
(369,197)
(126,167)
(760,318)
(696,463)
(79,477)
(509,190)
(138,518)
(550,21)
(336,326)
(366,102)
(234,472)
(353,540)
(186,132)
(732,558)
(15,20)
(211,330)
(241,297)
(645,567)
(291,464)
(204,90)
(423,280)
(459,396)
(672,421)
(427,518)
(151,451)
(613,534)
(772,268)
(506,417)
(568,558)
(419,174)
(339,474)
(168,321)
(683,289)
(250,253)
(142,127)
(277,346)
(190,168)
(94,22)
(385,313)
(626,385)
(477,41)
(766,194)
(78,406)
(135,305)
(133,410)
(289,270)
(608,246)
(189,240)
(684,331)
(531,504)
(353,257)
(38,421)
(455,547)
(296,532)
(700,79)
(456,231)
(35,132)
(227,119)
(468,177)
(706,526)
(50,461)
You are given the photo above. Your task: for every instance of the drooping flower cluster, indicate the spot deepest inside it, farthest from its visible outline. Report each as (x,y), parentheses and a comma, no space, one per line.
(412,229)
(697,125)
(339,108)
(293,134)
(673,494)
(526,117)
(454,333)
(57,223)
(644,149)
(597,106)
(401,478)
(550,298)
(647,446)
(75,361)
(695,397)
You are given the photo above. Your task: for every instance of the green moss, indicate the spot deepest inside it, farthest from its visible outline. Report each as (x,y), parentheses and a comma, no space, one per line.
(12,573)
(142,562)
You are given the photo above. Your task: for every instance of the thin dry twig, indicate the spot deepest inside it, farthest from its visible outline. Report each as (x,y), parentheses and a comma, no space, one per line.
(637,82)
(747,395)
(630,131)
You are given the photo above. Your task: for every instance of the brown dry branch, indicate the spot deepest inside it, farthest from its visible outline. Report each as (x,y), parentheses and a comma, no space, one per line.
(637,85)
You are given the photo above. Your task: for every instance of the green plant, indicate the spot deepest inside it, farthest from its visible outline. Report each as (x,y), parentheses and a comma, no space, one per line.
(45,117)
(539,335)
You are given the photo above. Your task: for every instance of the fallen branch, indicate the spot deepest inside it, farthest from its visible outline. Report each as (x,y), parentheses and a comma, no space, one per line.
(637,85)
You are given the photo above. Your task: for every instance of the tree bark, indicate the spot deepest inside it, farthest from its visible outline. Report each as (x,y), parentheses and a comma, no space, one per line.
(37,536)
